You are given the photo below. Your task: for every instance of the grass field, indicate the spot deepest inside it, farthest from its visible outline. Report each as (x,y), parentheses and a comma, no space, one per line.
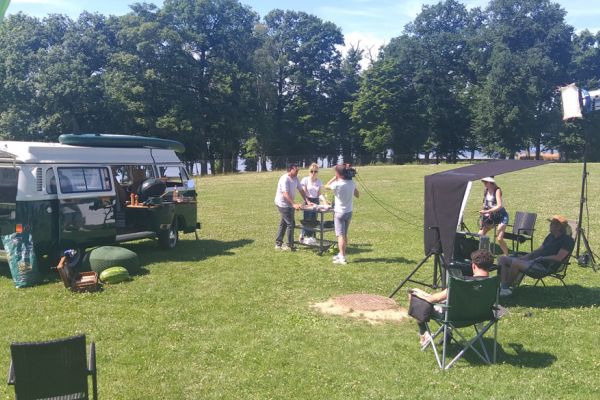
(228,317)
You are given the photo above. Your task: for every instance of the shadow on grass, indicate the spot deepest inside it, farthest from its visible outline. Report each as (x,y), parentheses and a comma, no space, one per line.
(523,358)
(5,270)
(386,260)
(186,250)
(553,297)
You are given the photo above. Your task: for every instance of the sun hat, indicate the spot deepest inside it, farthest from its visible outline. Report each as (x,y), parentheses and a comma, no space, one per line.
(488,179)
(562,220)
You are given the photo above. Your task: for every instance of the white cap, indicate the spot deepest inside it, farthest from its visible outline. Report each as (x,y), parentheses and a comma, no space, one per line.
(488,179)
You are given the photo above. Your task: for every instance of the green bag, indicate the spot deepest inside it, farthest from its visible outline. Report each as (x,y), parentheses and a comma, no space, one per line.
(21,259)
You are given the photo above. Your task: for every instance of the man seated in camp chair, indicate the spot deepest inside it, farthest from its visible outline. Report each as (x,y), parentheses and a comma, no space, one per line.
(555,249)
(481,262)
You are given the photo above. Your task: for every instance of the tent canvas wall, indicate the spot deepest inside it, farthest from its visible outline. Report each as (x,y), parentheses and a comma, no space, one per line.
(444,193)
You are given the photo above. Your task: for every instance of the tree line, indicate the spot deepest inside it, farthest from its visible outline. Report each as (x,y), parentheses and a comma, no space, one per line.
(227,83)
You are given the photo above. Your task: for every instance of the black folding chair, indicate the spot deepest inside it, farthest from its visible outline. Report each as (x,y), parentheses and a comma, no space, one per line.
(522,229)
(53,370)
(470,303)
(558,270)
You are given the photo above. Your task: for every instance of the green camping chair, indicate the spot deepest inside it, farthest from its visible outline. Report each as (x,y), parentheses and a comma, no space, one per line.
(470,303)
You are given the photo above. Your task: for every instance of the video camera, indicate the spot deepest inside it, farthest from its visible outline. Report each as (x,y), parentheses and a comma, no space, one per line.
(349,172)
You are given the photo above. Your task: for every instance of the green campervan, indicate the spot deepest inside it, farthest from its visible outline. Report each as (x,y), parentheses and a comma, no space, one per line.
(92,190)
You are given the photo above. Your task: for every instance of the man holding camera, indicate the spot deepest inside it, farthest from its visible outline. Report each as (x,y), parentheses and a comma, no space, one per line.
(344,190)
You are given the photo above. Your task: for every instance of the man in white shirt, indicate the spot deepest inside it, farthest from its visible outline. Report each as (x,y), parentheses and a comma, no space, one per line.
(284,200)
(344,190)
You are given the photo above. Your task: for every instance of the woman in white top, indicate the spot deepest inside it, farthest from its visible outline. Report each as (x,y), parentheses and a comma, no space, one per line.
(312,186)
(493,212)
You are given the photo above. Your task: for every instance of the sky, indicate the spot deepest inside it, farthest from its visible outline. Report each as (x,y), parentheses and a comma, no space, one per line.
(371,23)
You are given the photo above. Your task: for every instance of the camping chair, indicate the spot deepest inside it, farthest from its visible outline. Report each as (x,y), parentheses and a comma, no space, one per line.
(464,245)
(522,229)
(55,369)
(560,269)
(470,303)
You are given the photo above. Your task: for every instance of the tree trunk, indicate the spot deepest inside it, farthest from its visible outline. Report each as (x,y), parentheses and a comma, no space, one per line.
(263,164)
(203,167)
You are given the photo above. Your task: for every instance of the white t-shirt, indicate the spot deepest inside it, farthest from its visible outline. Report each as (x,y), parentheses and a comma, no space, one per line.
(311,187)
(344,194)
(289,185)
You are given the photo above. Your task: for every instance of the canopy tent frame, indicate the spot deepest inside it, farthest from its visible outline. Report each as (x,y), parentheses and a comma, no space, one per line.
(446,195)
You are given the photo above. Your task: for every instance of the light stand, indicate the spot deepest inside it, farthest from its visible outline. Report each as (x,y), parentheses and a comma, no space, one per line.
(581,258)
(439,272)
(576,103)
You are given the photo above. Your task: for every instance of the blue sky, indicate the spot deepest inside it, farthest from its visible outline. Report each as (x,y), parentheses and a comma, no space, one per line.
(372,22)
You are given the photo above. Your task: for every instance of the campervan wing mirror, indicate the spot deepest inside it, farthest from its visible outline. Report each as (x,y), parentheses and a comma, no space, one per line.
(191,184)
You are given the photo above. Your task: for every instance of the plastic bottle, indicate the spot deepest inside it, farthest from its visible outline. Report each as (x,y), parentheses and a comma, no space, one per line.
(176,195)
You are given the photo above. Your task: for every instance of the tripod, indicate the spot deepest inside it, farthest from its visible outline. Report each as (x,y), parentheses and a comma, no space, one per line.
(582,200)
(439,273)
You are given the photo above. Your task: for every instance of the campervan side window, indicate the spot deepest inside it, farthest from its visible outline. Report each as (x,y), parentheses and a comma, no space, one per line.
(50,181)
(8,184)
(76,180)
(125,174)
(173,175)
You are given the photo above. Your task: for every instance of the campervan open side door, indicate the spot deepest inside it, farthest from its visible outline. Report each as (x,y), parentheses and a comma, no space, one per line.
(86,215)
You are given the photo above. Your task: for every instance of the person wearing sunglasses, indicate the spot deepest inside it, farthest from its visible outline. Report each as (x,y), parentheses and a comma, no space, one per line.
(312,186)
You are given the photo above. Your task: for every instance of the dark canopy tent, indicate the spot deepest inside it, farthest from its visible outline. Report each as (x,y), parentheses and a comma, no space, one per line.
(444,193)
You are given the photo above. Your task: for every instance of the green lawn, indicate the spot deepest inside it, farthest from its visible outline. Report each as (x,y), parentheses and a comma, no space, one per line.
(228,317)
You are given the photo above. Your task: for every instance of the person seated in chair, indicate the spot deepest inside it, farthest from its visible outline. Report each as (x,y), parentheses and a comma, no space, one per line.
(482,261)
(555,249)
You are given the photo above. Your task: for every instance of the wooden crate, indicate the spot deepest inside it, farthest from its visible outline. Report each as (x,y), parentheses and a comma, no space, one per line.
(77,281)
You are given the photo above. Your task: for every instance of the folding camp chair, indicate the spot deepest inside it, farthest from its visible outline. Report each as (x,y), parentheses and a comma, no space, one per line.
(560,269)
(55,369)
(522,229)
(470,303)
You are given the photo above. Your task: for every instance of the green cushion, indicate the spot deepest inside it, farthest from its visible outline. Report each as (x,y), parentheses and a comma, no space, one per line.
(105,257)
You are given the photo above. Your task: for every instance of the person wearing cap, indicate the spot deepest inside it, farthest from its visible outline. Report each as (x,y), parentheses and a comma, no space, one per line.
(493,212)
(284,200)
(557,247)
(344,189)
(481,262)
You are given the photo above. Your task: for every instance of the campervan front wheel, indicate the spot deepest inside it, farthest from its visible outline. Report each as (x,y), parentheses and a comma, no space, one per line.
(168,239)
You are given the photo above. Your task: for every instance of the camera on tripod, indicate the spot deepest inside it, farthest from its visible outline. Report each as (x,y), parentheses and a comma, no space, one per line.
(349,172)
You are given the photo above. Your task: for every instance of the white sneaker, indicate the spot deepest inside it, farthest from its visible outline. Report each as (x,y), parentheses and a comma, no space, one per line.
(340,260)
(278,247)
(335,257)
(311,240)
(505,292)
(425,340)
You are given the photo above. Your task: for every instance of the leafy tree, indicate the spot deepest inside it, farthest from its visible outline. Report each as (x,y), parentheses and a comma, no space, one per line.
(21,37)
(307,61)
(347,138)
(527,51)
(442,76)
(387,111)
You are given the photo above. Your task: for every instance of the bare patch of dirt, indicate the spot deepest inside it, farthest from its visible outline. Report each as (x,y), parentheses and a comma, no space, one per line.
(369,307)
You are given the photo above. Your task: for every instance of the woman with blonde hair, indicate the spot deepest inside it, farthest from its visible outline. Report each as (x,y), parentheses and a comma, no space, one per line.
(312,186)
(493,212)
